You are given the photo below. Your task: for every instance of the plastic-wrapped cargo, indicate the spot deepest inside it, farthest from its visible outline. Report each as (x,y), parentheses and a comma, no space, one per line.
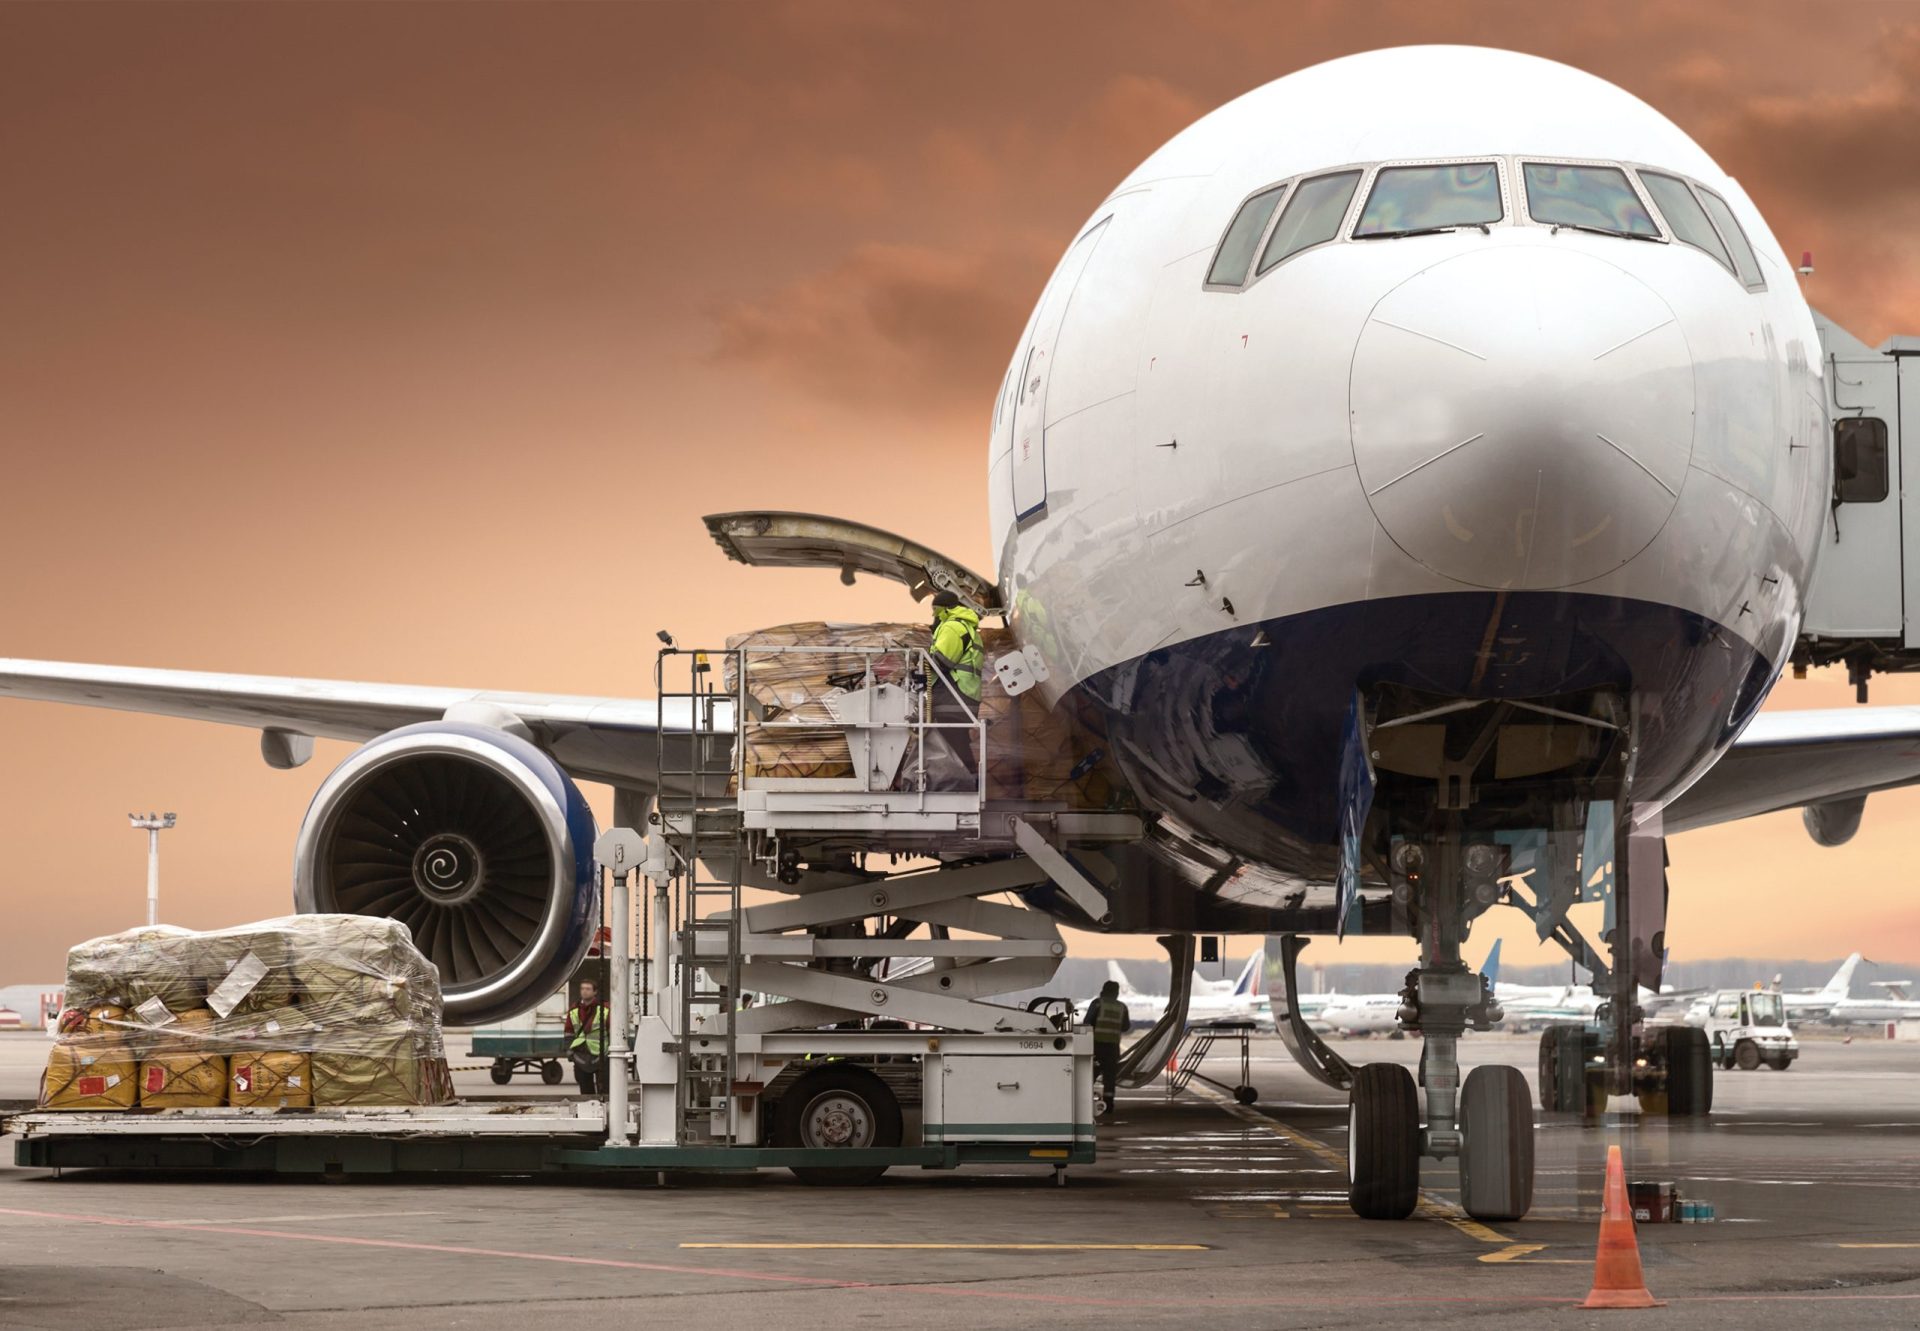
(88,1073)
(285,1014)
(1033,752)
(277,1081)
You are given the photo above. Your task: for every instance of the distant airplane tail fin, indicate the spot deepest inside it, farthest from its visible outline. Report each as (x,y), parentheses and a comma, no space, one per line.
(1248,985)
(1842,981)
(1119,977)
(1491,967)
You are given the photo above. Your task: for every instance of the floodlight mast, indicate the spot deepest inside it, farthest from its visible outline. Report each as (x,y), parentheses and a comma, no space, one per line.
(153,824)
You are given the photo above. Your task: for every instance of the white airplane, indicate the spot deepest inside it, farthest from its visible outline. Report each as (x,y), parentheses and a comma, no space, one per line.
(1239,999)
(1527,1005)
(1429,446)
(1889,1006)
(1819,1004)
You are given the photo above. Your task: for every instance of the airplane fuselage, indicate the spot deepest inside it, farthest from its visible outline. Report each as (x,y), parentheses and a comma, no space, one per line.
(1507,460)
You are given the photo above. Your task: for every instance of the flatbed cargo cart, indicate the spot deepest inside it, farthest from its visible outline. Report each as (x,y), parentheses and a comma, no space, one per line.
(840,1028)
(509,1052)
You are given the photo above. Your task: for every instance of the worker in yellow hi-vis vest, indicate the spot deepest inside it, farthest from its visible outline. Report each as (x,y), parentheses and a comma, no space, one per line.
(960,657)
(1108,1018)
(587,1024)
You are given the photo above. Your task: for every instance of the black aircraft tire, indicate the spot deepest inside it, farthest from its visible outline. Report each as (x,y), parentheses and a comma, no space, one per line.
(851,1092)
(1383,1143)
(1496,1149)
(1563,1069)
(1689,1062)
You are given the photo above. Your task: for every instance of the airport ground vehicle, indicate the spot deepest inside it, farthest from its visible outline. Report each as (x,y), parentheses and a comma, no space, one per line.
(836,1066)
(1747,1028)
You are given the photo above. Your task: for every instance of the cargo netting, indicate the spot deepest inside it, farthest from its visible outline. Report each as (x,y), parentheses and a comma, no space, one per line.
(1032,752)
(310,1011)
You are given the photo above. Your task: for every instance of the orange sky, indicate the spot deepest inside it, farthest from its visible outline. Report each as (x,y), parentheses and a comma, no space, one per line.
(408,342)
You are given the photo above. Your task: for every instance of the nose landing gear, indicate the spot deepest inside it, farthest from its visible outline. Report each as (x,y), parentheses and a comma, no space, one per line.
(1487,1124)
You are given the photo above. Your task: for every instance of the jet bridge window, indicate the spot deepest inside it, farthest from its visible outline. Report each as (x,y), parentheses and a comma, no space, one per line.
(1312,216)
(1859,460)
(1684,215)
(1406,200)
(1598,198)
(1236,248)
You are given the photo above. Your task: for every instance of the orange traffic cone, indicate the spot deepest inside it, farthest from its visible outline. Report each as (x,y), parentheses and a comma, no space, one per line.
(1617,1281)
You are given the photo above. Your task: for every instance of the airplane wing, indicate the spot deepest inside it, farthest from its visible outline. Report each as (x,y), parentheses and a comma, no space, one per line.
(596,739)
(1786,760)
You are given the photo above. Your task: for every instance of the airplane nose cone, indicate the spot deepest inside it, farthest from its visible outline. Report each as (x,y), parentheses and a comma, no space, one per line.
(1522,416)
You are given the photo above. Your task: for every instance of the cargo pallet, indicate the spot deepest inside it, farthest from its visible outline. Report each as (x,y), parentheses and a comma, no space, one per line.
(719,1009)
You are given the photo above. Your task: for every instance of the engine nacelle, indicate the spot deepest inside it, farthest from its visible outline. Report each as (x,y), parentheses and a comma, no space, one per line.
(1834,822)
(475,840)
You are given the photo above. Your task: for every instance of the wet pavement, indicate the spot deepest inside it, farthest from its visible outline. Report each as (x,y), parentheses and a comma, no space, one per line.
(1198,1209)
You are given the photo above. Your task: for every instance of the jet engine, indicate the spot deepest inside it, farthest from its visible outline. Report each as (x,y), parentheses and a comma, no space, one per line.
(475,840)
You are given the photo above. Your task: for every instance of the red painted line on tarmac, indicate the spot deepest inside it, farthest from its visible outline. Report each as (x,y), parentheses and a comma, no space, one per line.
(199,1227)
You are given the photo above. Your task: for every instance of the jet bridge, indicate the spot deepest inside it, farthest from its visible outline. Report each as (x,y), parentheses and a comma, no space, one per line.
(1863,608)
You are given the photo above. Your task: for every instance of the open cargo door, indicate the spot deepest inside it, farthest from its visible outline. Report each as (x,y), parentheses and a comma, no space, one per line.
(810,540)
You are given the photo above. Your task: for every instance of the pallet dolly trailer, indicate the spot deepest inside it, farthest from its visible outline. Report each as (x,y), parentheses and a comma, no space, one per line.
(837,1027)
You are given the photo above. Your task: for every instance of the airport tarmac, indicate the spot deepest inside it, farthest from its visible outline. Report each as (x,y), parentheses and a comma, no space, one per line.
(1197,1209)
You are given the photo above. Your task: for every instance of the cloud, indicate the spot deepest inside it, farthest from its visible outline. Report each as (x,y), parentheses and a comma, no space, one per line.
(899,327)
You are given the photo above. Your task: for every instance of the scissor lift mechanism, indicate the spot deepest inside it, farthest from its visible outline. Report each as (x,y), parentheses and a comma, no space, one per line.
(719,1007)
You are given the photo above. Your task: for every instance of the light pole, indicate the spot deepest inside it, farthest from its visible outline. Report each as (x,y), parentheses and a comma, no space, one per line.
(153,824)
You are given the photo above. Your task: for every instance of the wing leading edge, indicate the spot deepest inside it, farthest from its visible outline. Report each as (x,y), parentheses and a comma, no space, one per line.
(596,739)
(1787,760)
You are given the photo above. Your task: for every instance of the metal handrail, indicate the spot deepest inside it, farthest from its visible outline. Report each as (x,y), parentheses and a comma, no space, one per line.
(919,664)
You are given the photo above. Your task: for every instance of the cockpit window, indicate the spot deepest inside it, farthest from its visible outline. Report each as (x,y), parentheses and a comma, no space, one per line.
(1312,216)
(1684,215)
(1413,199)
(1236,249)
(1597,198)
(1729,229)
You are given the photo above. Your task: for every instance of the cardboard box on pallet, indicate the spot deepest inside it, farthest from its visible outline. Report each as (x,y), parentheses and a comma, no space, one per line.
(1034,753)
(252,1016)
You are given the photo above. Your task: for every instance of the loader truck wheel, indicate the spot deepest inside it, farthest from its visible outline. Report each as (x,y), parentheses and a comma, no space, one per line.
(838,1106)
(1746,1056)
(551,1072)
(501,1072)
(1383,1143)
(1496,1150)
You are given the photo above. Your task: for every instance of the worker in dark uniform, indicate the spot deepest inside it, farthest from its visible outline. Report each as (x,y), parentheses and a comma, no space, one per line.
(1108,1019)
(587,1024)
(960,658)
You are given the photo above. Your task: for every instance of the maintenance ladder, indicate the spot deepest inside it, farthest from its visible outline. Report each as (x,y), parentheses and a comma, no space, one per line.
(1199,1043)
(696,763)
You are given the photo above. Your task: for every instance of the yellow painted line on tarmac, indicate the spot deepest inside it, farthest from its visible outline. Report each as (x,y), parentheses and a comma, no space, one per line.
(974,1247)
(1429,1207)
(1518,1253)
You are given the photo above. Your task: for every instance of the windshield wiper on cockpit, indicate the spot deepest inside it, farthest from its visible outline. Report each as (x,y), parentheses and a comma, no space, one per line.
(1422,231)
(1603,231)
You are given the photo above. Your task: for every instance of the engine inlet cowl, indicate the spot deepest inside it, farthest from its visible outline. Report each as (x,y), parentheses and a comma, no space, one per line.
(475,840)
